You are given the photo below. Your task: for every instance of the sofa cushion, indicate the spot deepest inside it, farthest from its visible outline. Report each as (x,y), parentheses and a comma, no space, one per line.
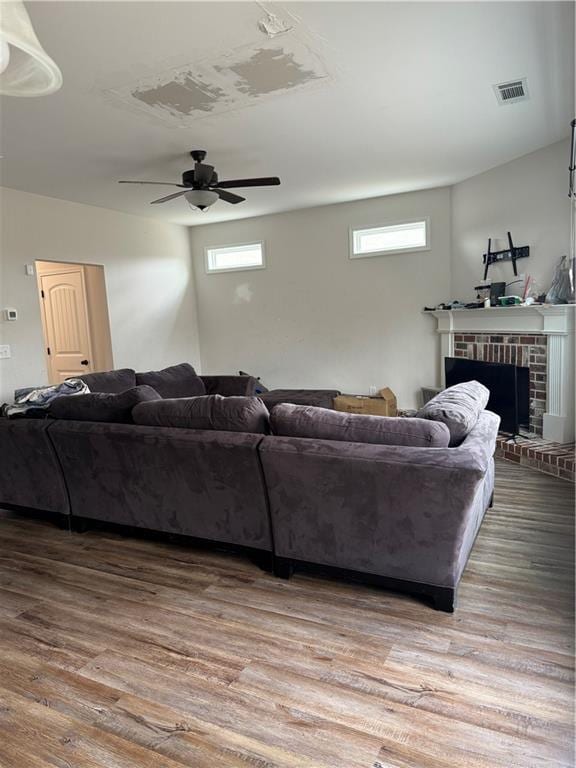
(321,398)
(459,407)
(176,381)
(320,423)
(102,406)
(244,386)
(110,381)
(231,414)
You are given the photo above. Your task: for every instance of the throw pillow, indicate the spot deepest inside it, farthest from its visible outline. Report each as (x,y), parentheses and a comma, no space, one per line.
(110,381)
(231,414)
(176,381)
(324,424)
(458,407)
(102,406)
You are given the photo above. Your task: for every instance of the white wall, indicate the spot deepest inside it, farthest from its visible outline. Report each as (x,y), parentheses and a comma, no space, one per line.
(315,318)
(149,282)
(527,196)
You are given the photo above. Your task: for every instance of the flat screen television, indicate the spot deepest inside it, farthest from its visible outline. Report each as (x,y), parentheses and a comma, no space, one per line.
(508,385)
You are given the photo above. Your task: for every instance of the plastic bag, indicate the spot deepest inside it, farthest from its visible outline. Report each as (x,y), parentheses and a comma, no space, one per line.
(562,288)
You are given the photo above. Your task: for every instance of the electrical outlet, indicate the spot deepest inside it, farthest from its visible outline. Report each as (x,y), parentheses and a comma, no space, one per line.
(373,390)
(5,351)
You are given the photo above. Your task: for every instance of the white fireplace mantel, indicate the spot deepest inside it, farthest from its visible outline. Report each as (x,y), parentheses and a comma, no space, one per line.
(557,322)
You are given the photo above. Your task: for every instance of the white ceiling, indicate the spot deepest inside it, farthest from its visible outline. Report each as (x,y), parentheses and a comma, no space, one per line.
(402,100)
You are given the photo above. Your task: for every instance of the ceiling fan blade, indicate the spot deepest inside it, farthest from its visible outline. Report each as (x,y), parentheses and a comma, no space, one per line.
(168,197)
(203,173)
(267,181)
(229,197)
(162,183)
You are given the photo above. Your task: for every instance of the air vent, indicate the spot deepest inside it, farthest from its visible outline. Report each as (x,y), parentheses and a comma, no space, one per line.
(514,90)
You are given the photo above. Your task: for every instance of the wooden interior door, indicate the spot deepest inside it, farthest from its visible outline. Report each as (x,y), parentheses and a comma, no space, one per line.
(66,324)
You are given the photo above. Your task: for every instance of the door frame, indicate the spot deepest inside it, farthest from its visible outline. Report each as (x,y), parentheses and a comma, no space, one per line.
(53,267)
(72,269)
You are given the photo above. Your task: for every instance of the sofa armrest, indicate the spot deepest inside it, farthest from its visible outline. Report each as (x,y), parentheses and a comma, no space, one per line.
(244,386)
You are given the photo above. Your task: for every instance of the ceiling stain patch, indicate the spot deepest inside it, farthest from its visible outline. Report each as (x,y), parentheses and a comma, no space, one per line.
(237,78)
(271,70)
(184,95)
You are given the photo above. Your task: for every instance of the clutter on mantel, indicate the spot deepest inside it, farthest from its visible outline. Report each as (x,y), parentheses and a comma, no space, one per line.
(456,305)
(521,292)
(523,289)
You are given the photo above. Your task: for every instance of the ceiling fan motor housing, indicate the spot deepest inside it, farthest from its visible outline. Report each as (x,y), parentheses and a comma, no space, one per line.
(188,178)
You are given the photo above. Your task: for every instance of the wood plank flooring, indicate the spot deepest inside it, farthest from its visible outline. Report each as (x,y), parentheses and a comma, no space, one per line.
(119,652)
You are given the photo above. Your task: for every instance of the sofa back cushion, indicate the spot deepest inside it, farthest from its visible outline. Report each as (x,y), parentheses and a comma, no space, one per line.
(110,381)
(244,386)
(320,398)
(176,381)
(458,407)
(102,406)
(320,423)
(230,414)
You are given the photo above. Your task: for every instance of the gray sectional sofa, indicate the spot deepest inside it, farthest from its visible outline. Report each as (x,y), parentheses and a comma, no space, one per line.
(386,500)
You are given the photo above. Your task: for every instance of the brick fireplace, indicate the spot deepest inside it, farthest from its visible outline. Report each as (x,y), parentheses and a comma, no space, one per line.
(524,351)
(540,338)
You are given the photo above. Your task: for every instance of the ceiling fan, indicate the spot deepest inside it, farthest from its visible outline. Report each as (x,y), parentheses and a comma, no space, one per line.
(201,187)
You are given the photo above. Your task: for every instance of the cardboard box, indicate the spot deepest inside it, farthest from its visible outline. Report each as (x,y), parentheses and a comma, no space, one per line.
(382,405)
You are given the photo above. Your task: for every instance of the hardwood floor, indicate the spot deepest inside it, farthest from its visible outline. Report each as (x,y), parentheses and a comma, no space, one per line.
(119,652)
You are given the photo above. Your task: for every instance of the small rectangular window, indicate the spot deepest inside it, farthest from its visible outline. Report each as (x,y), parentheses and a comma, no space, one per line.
(227,258)
(391,238)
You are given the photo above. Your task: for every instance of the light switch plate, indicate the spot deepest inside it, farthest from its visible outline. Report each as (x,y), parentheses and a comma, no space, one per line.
(5,351)
(30,270)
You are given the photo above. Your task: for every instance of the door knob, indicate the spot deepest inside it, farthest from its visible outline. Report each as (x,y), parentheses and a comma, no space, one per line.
(84,362)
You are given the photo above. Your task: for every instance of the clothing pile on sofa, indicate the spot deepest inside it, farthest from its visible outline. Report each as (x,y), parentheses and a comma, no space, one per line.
(36,401)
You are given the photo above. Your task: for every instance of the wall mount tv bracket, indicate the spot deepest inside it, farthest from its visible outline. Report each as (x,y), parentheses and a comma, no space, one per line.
(512,253)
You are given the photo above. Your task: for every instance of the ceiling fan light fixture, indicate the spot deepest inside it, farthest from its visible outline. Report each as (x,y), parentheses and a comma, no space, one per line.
(201,198)
(25,67)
